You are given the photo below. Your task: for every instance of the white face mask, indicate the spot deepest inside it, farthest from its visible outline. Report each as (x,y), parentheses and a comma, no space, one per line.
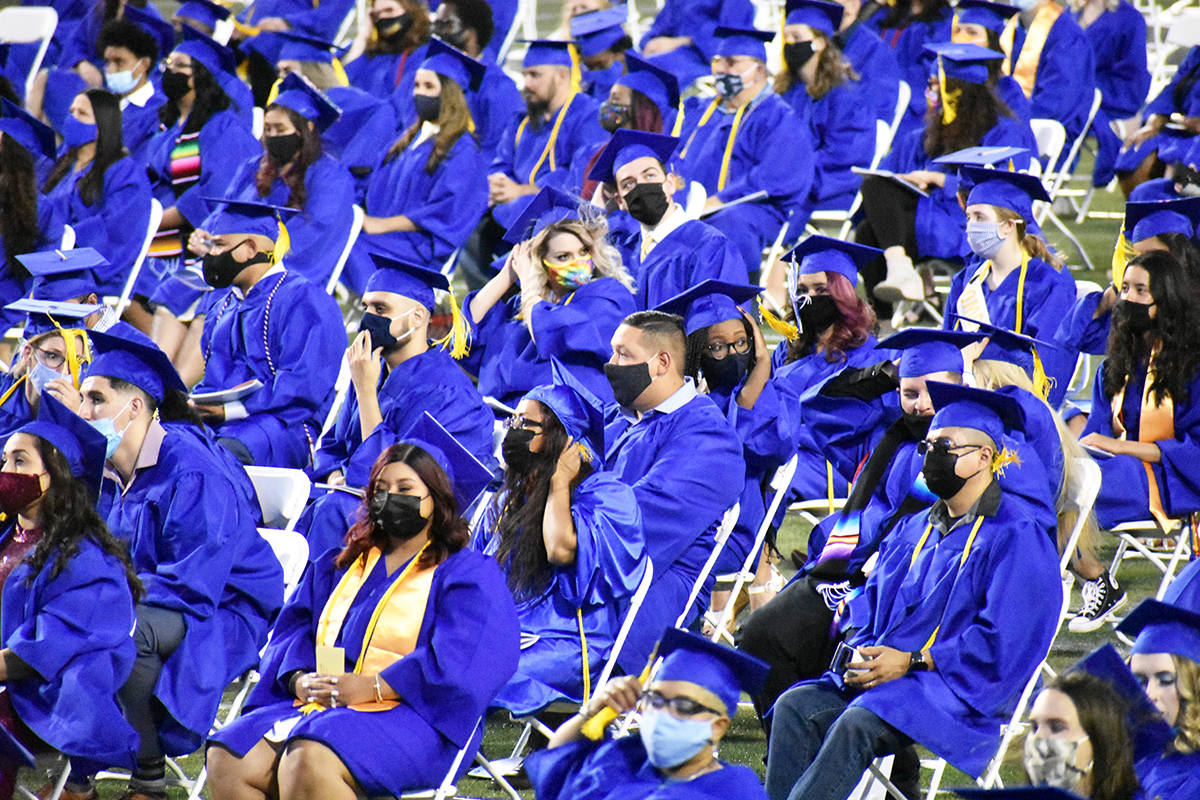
(1051,762)
(122,82)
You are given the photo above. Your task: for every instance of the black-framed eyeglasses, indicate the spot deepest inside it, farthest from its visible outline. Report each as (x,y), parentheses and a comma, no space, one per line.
(51,358)
(944,446)
(523,423)
(679,706)
(719,350)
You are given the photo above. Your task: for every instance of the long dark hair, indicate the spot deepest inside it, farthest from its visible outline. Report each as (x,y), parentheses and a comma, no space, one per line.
(647,116)
(901,14)
(19,211)
(1104,716)
(850,332)
(210,99)
(448,532)
(698,340)
(1188,255)
(1177,331)
(521,552)
(978,110)
(68,516)
(110,148)
(453,121)
(293,177)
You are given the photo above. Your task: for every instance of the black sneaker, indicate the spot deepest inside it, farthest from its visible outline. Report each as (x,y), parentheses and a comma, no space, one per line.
(1101,599)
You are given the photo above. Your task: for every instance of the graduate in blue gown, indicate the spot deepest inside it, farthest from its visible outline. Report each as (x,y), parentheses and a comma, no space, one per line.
(948,629)
(684,713)
(69,276)
(683,39)
(262,21)
(602,42)
(910,40)
(1015,282)
(68,604)
(430,191)
(672,252)
(212,584)
(1153,145)
(22,140)
(425,635)
(568,537)
(982,22)
(266,323)
(682,458)
(573,293)
(97,189)
(131,48)
(873,60)
(394,48)
(768,151)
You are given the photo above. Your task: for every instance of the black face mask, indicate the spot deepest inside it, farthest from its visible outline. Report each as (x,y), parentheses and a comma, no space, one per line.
(282,149)
(614,116)
(450,30)
(917,425)
(398,516)
(174,85)
(797,54)
(429,107)
(819,313)
(220,270)
(647,203)
(515,449)
(628,381)
(940,477)
(380,328)
(724,373)
(1135,316)
(389,27)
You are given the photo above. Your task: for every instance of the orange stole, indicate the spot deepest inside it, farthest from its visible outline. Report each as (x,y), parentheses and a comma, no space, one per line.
(1157,424)
(395,624)
(1025,70)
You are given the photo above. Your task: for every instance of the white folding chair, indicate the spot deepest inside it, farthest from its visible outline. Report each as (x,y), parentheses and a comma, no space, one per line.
(122,302)
(258,118)
(722,536)
(282,494)
(351,238)
(341,388)
(25,25)
(291,549)
(1059,172)
(68,238)
(1130,545)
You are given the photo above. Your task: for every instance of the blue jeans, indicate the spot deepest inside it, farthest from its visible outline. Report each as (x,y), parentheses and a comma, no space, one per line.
(820,747)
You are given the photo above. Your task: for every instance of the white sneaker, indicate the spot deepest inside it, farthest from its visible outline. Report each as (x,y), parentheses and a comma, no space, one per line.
(902,282)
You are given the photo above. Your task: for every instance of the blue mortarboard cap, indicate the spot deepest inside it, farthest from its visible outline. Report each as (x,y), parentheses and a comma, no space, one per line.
(135,359)
(31,133)
(467,475)
(626,145)
(576,406)
(62,87)
(1149,730)
(408,280)
(1184,591)
(816,14)
(709,302)
(982,156)
(63,274)
(450,62)
(298,94)
(1009,346)
(964,62)
(203,11)
(992,16)
(598,31)
(162,31)
(547,52)
(1015,191)
(547,206)
(966,407)
(47,316)
(199,46)
(749,42)
(660,86)
(299,47)
(80,444)
(230,215)
(925,351)
(1144,220)
(826,254)
(1163,628)
(722,670)
(1016,793)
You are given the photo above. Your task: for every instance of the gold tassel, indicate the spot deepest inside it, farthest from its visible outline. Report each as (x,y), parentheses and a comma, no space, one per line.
(949,99)
(310,708)
(1042,383)
(248,30)
(271,95)
(458,340)
(1003,459)
(69,337)
(339,72)
(783,328)
(283,243)
(1122,253)
(576,74)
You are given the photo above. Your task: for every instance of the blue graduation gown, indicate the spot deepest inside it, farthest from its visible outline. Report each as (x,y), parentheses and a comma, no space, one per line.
(913,59)
(842,137)
(361,136)
(15,411)
(580,126)
(193,540)
(876,66)
(996,615)
(1008,90)
(288,334)
(445,206)
(577,330)
(1079,331)
(387,74)
(1065,82)
(1124,491)
(1118,40)
(697,19)
(469,628)
(686,469)
(1170,777)
(140,123)
(319,20)
(74,630)
(497,103)
(1175,97)
(693,252)
(593,592)
(115,224)
(618,769)
(1049,294)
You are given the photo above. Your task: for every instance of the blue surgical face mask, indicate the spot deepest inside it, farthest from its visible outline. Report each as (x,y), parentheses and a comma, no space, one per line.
(40,375)
(984,238)
(76,133)
(670,741)
(108,429)
(122,82)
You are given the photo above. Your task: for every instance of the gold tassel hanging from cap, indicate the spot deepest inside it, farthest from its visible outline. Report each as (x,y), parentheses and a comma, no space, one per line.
(283,242)
(780,326)
(576,73)
(271,95)
(339,72)
(1003,459)
(70,336)
(1122,253)
(1042,383)
(949,98)
(678,119)
(458,340)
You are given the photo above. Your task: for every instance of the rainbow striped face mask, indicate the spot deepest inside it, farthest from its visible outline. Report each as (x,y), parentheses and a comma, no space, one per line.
(570,274)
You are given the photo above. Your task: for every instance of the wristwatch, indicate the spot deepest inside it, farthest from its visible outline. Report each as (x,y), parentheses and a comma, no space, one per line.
(918,662)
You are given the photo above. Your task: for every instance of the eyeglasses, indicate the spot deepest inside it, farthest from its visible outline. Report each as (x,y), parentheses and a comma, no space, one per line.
(679,706)
(719,350)
(944,446)
(174,66)
(51,358)
(522,423)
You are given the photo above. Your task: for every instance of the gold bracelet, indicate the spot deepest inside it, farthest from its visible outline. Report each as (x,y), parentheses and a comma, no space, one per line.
(378,691)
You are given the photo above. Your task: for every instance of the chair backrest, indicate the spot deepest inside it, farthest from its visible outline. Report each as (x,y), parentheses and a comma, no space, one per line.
(1084,288)
(1051,138)
(340,387)
(1061,170)
(903,96)
(351,238)
(25,25)
(635,605)
(1083,486)
(1183,29)
(156,214)
(282,494)
(883,141)
(723,530)
(258,118)
(291,548)
(68,238)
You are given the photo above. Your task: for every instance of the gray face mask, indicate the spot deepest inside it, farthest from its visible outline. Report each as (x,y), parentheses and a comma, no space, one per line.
(1051,762)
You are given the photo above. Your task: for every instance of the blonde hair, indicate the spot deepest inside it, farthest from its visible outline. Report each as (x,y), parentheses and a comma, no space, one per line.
(993,375)
(1187,683)
(592,229)
(1031,243)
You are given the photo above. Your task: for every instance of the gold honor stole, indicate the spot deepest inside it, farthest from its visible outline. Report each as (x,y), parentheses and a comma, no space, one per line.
(1025,70)
(1157,424)
(548,151)
(723,176)
(395,624)
(972,304)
